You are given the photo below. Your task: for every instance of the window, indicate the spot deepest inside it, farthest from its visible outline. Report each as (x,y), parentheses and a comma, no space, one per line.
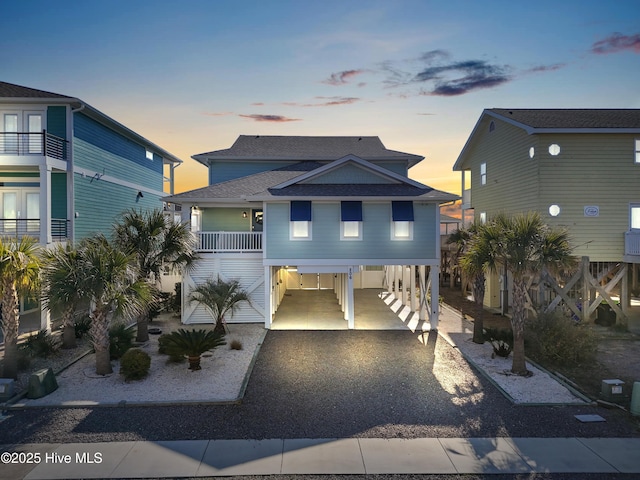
(637,151)
(300,220)
(634,220)
(402,220)
(149,154)
(483,174)
(350,220)
(492,126)
(532,152)
(554,149)
(483,217)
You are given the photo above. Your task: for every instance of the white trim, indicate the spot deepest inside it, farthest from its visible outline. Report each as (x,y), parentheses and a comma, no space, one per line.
(349,261)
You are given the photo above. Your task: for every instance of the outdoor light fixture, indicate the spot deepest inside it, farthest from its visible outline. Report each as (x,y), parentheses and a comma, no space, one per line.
(554,210)
(140,195)
(244,214)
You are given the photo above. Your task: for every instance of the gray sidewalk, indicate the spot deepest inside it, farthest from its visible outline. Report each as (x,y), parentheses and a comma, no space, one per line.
(205,458)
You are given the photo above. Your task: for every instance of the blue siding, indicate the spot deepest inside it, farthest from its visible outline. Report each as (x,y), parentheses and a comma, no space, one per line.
(376,241)
(57,121)
(99,203)
(109,141)
(223,171)
(59,195)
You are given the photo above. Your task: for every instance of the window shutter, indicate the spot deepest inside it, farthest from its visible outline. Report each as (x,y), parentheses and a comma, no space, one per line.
(351,211)
(402,211)
(300,211)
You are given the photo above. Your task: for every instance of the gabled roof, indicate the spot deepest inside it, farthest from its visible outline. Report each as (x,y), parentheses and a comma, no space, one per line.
(10,90)
(559,120)
(282,184)
(306,148)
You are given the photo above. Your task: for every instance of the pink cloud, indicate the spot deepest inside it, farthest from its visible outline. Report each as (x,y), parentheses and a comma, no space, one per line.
(617,42)
(269,118)
(342,78)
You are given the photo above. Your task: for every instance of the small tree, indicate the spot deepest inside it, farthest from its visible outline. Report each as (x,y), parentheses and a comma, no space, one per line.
(62,287)
(220,298)
(19,270)
(111,282)
(524,245)
(156,243)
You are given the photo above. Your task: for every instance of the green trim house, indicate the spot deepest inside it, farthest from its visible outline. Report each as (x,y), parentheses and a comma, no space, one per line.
(579,168)
(311,213)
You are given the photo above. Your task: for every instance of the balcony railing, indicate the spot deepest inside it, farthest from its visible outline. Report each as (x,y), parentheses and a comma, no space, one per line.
(632,243)
(23,143)
(218,242)
(20,227)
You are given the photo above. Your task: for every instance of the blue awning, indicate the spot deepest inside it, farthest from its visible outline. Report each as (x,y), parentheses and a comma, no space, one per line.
(300,211)
(351,211)
(402,211)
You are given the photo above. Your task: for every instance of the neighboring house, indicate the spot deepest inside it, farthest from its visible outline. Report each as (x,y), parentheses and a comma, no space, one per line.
(285,212)
(579,168)
(68,170)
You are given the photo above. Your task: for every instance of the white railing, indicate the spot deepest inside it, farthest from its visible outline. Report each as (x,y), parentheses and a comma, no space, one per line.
(229,242)
(632,243)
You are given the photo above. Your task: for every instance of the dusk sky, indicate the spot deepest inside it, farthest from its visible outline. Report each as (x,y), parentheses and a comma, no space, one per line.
(193,75)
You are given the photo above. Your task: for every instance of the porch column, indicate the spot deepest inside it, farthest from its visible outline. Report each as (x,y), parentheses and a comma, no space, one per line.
(396,288)
(423,294)
(405,294)
(267,297)
(185,214)
(412,287)
(45,204)
(387,276)
(434,273)
(350,301)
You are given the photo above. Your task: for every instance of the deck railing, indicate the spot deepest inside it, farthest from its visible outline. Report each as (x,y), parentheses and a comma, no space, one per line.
(20,227)
(27,143)
(632,243)
(217,242)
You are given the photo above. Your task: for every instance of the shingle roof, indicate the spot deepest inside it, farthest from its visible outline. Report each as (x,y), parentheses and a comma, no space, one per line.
(9,90)
(572,118)
(259,185)
(305,148)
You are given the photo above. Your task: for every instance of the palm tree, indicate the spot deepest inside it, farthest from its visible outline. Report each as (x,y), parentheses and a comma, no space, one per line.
(19,270)
(525,245)
(192,344)
(111,283)
(219,297)
(474,263)
(62,287)
(157,243)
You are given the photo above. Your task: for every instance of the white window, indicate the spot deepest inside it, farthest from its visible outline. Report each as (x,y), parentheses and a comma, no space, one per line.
(554,149)
(34,125)
(300,220)
(483,217)
(532,152)
(351,220)
(149,154)
(637,151)
(483,174)
(10,136)
(634,220)
(402,220)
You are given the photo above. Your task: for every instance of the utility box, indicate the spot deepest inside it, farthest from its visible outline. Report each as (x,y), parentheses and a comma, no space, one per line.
(42,383)
(612,389)
(7,389)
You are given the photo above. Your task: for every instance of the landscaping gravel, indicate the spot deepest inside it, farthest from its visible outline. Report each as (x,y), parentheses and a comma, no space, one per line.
(319,384)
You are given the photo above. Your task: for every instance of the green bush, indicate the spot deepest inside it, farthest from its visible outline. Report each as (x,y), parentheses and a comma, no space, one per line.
(135,364)
(82,326)
(193,343)
(558,340)
(500,339)
(41,344)
(120,340)
(163,348)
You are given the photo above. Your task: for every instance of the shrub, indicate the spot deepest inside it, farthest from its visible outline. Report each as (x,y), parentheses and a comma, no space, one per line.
(135,364)
(120,340)
(193,343)
(556,339)
(41,344)
(163,348)
(24,358)
(235,345)
(82,326)
(500,339)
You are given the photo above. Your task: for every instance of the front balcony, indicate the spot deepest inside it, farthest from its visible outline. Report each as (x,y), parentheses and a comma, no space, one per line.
(21,227)
(24,144)
(229,242)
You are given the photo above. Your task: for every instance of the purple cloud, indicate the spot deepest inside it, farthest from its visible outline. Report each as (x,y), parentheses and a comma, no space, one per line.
(617,42)
(342,78)
(269,118)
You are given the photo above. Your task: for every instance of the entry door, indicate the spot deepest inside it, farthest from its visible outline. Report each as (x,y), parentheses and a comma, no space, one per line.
(33,125)
(256,220)
(17,206)
(10,136)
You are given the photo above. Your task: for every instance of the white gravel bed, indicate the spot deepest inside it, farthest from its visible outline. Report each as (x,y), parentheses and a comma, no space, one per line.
(220,380)
(540,388)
